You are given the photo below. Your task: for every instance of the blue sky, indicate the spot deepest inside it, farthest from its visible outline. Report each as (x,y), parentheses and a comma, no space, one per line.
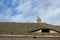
(28,10)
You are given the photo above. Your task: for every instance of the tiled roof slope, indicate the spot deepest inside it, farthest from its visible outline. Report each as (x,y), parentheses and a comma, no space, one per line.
(23,28)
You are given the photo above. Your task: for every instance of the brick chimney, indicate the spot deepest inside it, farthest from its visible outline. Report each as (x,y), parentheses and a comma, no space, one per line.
(38,20)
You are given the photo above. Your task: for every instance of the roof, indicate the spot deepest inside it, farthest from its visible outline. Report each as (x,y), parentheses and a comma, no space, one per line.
(24,28)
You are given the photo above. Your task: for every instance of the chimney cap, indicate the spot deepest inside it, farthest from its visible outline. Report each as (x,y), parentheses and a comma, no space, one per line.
(39,17)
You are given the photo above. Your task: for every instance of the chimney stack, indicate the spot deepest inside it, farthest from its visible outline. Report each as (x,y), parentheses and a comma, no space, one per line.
(38,20)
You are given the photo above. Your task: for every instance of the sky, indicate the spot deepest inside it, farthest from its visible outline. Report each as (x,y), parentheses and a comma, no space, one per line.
(29,10)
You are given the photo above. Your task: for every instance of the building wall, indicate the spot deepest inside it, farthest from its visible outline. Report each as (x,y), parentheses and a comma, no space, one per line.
(51,31)
(29,38)
(38,31)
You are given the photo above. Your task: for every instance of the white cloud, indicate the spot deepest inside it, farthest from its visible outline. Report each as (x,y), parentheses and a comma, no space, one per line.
(49,14)
(25,7)
(55,3)
(17,18)
(21,18)
(6,14)
(1,3)
(48,10)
